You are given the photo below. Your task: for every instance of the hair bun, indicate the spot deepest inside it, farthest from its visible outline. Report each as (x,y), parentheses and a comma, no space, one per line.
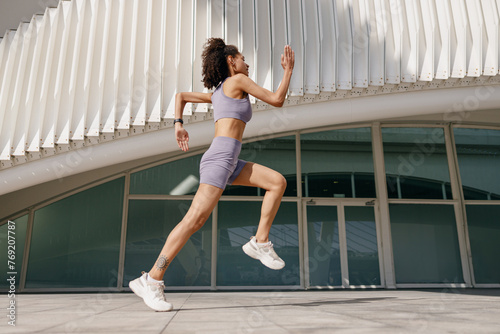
(216,43)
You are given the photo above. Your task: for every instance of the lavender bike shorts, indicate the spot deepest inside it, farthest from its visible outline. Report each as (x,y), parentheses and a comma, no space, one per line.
(220,165)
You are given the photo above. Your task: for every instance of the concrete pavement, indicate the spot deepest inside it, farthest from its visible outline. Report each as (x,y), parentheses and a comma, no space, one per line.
(369,311)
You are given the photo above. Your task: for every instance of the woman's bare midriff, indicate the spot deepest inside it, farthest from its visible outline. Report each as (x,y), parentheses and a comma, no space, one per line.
(230,127)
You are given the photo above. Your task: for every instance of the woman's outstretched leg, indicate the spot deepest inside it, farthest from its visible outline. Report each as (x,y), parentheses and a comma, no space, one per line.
(202,206)
(151,290)
(274,183)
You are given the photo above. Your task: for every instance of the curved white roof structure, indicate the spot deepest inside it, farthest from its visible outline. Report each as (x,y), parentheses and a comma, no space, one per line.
(92,83)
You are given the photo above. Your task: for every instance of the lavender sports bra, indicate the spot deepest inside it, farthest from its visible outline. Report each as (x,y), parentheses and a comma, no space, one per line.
(228,107)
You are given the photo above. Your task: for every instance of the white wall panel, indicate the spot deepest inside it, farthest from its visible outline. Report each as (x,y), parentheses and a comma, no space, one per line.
(56,72)
(296,40)
(150,108)
(22,105)
(59,110)
(427,23)
(393,44)
(4,55)
(33,87)
(108,84)
(498,41)
(410,38)
(123,60)
(278,39)
(344,44)
(376,12)
(84,55)
(150,60)
(490,37)
(136,76)
(11,45)
(263,44)
(312,58)
(141,35)
(69,76)
(14,81)
(201,34)
(328,45)
(216,16)
(49,26)
(169,65)
(95,77)
(458,39)
(232,22)
(360,41)
(442,41)
(247,46)
(185,52)
(474,39)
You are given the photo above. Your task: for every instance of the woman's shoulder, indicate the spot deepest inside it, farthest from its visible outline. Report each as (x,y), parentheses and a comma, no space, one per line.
(236,85)
(238,81)
(239,77)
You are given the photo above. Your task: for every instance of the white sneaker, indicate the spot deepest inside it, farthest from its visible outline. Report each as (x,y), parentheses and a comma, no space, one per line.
(265,254)
(151,293)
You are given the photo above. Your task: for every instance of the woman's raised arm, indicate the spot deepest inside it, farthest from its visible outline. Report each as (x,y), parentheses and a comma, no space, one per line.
(276,98)
(184,97)
(181,99)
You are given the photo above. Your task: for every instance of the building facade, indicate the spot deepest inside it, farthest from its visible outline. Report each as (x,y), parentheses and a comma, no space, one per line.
(389,141)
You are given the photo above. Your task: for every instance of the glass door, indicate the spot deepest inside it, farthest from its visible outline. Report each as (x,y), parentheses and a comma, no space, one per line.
(342,245)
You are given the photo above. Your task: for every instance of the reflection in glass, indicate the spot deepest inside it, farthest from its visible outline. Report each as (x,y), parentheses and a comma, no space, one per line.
(362,249)
(478,153)
(237,222)
(337,163)
(484,234)
(149,223)
(416,163)
(323,241)
(180,177)
(76,241)
(425,244)
(16,242)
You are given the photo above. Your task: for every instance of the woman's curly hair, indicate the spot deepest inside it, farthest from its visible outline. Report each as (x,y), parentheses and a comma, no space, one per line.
(214,64)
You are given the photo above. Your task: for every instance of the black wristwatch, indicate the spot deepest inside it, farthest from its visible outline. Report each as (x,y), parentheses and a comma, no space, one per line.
(178,120)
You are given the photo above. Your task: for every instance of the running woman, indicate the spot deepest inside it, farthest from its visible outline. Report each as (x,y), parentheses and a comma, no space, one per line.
(224,68)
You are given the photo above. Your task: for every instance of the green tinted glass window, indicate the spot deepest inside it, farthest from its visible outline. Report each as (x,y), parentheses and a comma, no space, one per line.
(483,222)
(237,222)
(337,163)
(362,247)
(416,163)
(478,153)
(425,244)
(323,262)
(76,241)
(149,224)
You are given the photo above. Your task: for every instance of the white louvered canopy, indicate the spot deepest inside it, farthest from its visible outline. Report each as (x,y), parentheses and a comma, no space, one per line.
(94,71)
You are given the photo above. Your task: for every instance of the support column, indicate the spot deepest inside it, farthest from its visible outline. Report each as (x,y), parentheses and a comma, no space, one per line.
(380,184)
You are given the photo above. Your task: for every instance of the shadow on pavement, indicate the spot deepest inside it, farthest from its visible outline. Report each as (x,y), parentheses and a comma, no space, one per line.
(305,304)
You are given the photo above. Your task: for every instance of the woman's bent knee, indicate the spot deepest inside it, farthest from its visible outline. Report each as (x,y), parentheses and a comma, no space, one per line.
(279,183)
